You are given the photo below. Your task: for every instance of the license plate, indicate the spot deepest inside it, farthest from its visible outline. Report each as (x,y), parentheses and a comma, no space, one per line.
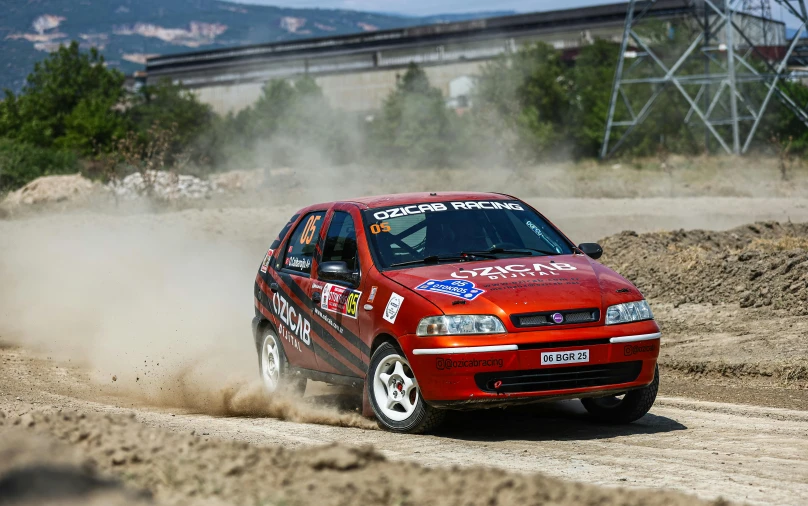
(564,357)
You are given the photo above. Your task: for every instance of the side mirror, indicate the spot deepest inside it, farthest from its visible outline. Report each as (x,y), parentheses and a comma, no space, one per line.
(591,249)
(337,271)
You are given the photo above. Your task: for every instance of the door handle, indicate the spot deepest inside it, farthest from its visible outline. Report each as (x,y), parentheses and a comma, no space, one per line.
(274,287)
(316,297)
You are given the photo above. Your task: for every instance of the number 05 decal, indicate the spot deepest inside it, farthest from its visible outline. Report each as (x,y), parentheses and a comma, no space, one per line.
(377,228)
(308,232)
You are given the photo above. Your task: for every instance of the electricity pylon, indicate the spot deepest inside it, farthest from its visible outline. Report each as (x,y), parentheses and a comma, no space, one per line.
(726,75)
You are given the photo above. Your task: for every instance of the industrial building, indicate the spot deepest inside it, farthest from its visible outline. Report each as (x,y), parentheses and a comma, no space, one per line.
(356,72)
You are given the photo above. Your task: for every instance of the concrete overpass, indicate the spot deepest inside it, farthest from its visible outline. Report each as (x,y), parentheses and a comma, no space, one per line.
(356,72)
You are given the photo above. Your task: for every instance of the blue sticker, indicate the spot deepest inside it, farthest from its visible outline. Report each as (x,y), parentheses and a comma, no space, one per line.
(456,288)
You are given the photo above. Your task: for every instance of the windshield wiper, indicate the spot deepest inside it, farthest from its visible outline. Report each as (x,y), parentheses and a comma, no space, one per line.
(519,251)
(432,259)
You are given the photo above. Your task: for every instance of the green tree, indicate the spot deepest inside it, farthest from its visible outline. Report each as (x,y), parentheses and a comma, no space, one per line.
(68,101)
(589,95)
(174,109)
(529,91)
(414,127)
(784,126)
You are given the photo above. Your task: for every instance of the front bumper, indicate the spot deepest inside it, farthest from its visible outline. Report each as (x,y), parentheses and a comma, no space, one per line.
(471,371)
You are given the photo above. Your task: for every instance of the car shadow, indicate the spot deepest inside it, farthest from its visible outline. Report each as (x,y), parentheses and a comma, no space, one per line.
(546,421)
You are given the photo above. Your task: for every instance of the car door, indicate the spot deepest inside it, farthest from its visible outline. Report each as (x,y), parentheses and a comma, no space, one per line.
(338,303)
(292,301)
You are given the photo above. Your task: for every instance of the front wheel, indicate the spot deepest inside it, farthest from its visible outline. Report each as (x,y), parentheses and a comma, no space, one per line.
(395,396)
(626,408)
(274,368)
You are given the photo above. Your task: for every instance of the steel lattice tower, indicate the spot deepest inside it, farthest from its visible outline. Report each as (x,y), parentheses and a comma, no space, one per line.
(730,70)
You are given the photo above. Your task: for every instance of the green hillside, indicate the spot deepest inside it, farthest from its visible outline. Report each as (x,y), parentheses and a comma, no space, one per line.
(126,31)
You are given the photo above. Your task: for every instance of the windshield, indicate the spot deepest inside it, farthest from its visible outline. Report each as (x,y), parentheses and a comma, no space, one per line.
(454,231)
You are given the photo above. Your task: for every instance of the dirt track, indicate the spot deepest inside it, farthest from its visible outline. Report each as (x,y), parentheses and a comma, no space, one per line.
(161,302)
(738,452)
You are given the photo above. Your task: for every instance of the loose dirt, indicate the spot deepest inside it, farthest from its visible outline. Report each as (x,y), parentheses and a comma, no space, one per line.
(742,453)
(186,469)
(148,312)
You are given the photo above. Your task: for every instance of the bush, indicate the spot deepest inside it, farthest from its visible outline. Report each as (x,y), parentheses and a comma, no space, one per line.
(21,163)
(414,127)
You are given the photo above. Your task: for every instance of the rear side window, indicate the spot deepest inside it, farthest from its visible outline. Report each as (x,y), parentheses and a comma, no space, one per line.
(277,241)
(340,241)
(300,249)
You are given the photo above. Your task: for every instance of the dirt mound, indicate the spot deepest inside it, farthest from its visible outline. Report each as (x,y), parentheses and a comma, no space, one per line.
(51,189)
(185,469)
(758,265)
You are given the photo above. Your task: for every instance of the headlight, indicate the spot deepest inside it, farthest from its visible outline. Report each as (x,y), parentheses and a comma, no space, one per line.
(460,324)
(628,312)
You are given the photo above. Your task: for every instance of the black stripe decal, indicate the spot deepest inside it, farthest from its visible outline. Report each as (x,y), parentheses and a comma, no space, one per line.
(325,335)
(320,353)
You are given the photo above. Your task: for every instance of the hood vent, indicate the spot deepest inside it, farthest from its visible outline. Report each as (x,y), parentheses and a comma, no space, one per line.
(553,318)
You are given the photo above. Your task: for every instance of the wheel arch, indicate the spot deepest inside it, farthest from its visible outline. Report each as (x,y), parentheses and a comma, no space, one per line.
(381,339)
(263,324)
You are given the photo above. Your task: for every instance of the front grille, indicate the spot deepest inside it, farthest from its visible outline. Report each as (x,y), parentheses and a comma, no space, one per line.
(533,321)
(560,378)
(570,317)
(583,317)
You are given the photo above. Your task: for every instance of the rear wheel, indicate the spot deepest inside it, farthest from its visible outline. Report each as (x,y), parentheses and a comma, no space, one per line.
(625,408)
(274,367)
(395,396)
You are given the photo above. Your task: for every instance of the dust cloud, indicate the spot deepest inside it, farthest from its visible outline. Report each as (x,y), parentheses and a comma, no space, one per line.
(156,306)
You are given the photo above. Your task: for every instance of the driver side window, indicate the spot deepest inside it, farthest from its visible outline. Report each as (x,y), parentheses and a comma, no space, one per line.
(340,241)
(300,249)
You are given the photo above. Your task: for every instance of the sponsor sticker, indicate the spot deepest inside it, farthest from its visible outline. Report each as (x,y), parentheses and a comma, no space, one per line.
(393,307)
(296,327)
(340,300)
(298,262)
(328,320)
(267,260)
(396,212)
(513,271)
(459,288)
(633,349)
(372,295)
(446,364)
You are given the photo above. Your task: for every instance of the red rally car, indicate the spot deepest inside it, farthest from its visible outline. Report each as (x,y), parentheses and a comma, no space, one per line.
(436,301)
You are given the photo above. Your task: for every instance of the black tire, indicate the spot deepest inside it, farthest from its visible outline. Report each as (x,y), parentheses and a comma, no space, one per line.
(287,382)
(423,418)
(633,406)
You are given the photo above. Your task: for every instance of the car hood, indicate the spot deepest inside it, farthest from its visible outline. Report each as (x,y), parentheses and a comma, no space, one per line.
(509,286)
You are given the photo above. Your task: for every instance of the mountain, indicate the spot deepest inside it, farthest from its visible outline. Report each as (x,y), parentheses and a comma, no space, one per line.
(128,31)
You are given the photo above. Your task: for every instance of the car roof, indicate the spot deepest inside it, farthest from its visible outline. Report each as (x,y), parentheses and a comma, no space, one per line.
(403,199)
